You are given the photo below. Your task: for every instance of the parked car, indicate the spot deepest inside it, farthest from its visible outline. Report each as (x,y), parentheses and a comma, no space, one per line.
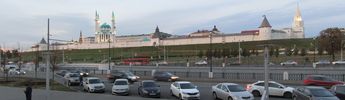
(93,84)
(230,91)
(164,76)
(62,72)
(323,62)
(149,88)
(320,80)
(82,73)
(120,87)
(289,62)
(115,74)
(339,62)
(201,62)
(313,93)
(72,78)
(275,89)
(16,72)
(184,90)
(339,91)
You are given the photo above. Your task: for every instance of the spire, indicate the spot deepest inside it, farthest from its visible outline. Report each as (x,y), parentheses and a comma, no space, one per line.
(297,21)
(157,29)
(215,28)
(112,16)
(97,16)
(265,23)
(81,37)
(43,41)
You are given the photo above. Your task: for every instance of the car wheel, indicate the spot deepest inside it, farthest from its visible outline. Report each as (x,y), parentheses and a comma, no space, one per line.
(69,83)
(171,93)
(229,98)
(287,95)
(180,97)
(256,93)
(215,96)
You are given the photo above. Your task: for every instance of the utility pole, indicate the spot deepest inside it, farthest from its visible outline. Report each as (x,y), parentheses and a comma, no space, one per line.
(48,65)
(109,55)
(266,72)
(210,74)
(239,52)
(63,55)
(341,50)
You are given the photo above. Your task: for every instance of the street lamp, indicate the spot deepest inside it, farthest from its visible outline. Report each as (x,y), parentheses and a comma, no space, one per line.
(210,74)
(314,47)
(109,54)
(266,71)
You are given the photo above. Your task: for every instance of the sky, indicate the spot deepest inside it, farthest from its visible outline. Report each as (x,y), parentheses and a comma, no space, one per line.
(24,22)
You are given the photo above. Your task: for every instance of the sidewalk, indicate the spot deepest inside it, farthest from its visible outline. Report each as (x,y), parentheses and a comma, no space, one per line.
(12,93)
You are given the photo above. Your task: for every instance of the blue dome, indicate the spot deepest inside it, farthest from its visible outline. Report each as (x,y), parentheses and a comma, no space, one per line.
(105,25)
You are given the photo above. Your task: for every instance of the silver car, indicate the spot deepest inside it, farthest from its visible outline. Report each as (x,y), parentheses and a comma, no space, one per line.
(313,93)
(230,91)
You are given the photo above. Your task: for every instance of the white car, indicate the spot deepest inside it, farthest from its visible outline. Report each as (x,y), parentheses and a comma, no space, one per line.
(339,62)
(275,89)
(201,62)
(93,84)
(72,78)
(323,62)
(184,90)
(120,87)
(230,91)
(16,72)
(289,62)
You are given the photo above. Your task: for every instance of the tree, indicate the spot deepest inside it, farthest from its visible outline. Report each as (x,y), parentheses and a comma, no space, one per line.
(295,51)
(225,52)
(303,52)
(276,52)
(200,54)
(271,52)
(330,39)
(288,51)
(320,51)
(209,53)
(8,54)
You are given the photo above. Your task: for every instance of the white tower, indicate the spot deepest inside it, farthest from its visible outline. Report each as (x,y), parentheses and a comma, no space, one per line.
(113,27)
(97,22)
(265,30)
(298,25)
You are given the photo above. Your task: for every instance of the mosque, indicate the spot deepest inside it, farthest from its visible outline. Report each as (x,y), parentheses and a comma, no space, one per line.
(105,35)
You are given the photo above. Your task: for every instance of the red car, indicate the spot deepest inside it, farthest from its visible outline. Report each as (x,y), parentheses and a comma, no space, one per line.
(320,80)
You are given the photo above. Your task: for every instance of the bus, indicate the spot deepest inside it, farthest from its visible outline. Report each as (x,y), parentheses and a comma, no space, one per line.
(136,61)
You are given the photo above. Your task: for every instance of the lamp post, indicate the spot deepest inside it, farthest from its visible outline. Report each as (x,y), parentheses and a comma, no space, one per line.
(266,71)
(341,50)
(210,74)
(48,65)
(109,55)
(314,49)
(239,52)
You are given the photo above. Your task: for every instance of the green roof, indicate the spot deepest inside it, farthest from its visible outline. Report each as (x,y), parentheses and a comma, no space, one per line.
(105,25)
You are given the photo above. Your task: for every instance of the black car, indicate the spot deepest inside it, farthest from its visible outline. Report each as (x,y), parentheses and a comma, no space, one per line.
(82,73)
(339,91)
(62,72)
(312,93)
(149,88)
(122,75)
(164,76)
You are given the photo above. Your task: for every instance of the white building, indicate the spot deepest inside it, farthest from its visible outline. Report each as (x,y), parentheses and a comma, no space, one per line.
(105,35)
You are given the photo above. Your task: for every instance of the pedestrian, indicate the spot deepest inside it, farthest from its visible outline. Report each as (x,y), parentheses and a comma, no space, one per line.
(81,80)
(28,91)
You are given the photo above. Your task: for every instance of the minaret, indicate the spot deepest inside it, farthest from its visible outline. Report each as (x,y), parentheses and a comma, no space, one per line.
(97,22)
(298,25)
(80,37)
(157,29)
(265,30)
(113,27)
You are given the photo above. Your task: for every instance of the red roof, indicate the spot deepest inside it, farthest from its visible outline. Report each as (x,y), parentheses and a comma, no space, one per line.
(250,32)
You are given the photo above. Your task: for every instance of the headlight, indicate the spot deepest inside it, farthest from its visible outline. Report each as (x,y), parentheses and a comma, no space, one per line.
(174,77)
(145,91)
(81,73)
(87,73)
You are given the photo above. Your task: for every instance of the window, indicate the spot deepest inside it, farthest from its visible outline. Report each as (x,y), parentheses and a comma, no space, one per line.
(274,85)
(260,84)
(224,88)
(219,86)
(121,83)
(236,88)
(187,86)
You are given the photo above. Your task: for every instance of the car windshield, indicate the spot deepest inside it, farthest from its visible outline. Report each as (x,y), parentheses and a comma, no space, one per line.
(236,88)
(74,75)
(321,93)
(167,73)
(94,81)
(149,84)
(187,86)
(129,73)
(120,83)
